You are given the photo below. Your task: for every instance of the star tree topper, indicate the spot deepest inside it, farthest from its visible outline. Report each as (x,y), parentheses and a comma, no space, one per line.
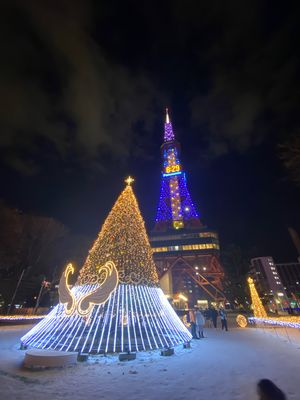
(129,181)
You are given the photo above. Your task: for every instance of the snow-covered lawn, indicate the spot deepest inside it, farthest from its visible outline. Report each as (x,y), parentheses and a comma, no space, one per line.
(224,365)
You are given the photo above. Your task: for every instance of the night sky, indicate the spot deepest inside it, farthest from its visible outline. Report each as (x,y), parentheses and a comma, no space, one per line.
(83,91)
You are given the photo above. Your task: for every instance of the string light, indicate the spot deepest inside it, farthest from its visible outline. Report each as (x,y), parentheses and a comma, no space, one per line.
(20,317)
(136,316)
(241,321)
(260,315)
(287,321)
(175,208)
(124,241)
(169,134)
(258,308)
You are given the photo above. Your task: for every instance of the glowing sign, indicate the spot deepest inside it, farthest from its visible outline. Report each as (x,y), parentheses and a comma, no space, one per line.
(85,303)
(241,321)
(172,168)
(178,225)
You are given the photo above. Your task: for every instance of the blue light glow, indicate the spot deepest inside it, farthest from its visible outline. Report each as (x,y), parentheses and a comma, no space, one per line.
(173,173)
(135,317)
(275,321)
(187,208)
(175,207)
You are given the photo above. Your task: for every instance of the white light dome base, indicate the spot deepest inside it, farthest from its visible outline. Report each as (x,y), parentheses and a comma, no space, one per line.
(135,318)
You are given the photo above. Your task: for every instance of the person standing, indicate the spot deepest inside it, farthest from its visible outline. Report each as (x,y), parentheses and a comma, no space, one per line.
(207,316)
(223,317)
(200,322)
(192,323)
(214,316)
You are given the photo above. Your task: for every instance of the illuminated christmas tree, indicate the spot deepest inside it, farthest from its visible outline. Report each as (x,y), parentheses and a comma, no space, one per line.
(116,304)
(258,308)
(123,240)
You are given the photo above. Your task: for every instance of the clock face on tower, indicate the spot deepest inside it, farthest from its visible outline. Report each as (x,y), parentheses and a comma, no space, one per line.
(169,169)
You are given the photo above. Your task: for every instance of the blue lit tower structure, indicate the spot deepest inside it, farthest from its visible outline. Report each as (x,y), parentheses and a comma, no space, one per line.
(185,251)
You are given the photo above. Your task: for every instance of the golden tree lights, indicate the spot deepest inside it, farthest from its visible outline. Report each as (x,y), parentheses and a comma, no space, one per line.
(176,203)
(260,315)
(174,190)
(258,308)
(124,241)
(172,164)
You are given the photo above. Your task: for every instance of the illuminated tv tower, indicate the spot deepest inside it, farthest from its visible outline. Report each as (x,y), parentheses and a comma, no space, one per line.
(176,209)
(185,251)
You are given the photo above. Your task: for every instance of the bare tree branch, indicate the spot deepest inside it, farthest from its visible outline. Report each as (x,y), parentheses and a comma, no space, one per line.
(289,153)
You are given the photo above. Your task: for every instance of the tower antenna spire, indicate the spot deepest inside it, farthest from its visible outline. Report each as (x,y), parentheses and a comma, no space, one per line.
(168,134)
(167,116)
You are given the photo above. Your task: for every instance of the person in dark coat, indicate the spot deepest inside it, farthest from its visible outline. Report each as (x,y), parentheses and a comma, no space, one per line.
(214,316)
(223,317)
(207,315)
(267,390)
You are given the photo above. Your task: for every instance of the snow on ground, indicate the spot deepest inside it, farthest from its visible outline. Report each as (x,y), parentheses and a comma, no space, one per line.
(224,365)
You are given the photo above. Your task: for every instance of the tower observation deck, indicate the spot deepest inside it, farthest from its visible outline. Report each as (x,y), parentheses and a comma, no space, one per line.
(185,251)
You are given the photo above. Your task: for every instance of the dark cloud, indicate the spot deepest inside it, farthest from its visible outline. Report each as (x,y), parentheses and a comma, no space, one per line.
(83,86)
(58,84)
(89,81)
(253,78)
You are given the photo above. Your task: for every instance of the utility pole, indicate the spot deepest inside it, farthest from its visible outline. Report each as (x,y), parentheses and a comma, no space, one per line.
(15,292)
(44,284)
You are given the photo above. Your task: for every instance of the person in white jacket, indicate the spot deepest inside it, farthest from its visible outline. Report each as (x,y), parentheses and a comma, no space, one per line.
(200,322)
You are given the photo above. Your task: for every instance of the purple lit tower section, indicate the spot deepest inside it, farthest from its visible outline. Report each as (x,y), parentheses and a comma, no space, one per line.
(176,209)
(186,252)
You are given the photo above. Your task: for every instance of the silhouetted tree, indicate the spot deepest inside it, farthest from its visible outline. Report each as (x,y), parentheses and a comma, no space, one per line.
(290,156)
(40,246)
(236,266)
(10,233)
(27,242)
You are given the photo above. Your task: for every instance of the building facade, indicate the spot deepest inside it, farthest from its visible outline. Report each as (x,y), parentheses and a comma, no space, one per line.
(290,277)
(185,251)
(277,284)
